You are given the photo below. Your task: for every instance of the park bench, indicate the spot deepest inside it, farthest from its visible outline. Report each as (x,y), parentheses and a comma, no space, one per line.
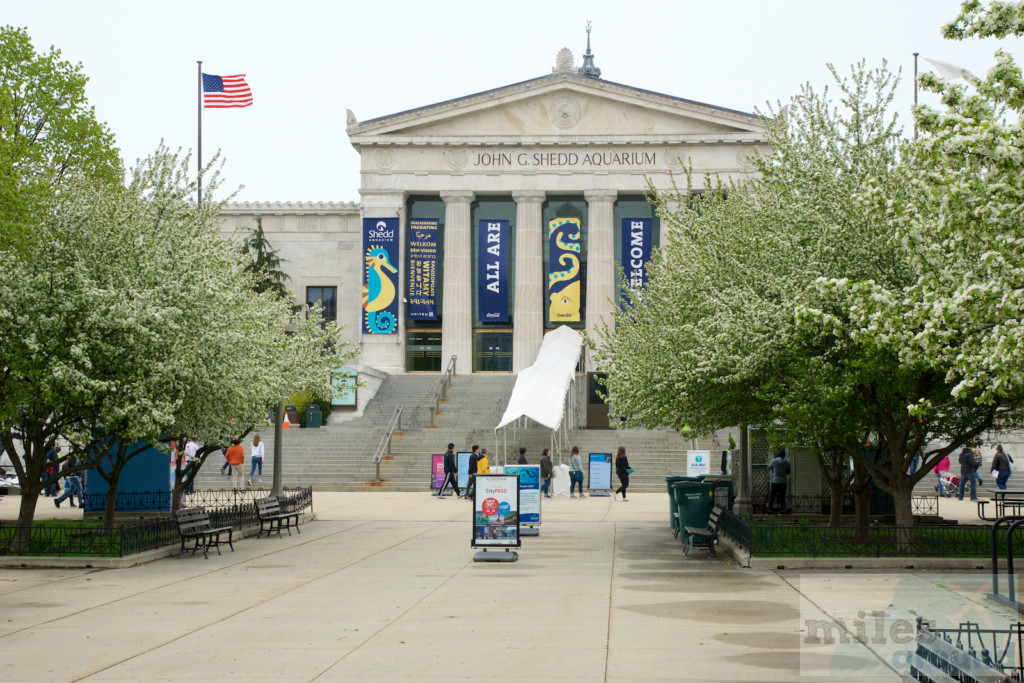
(194,525)
(706,536)
(268,510)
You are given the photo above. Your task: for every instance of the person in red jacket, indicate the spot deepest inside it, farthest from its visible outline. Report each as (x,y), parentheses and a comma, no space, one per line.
(235,455)
(943,466)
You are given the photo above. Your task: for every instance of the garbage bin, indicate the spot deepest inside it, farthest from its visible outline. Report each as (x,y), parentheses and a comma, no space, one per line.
(313,416)
(723,489)
(695,500)
(671,479)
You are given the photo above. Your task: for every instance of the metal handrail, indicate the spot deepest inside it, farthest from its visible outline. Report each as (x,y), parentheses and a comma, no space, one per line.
(385,441)
(442,389)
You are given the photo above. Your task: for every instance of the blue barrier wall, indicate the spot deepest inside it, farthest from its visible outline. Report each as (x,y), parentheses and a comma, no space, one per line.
(148,472)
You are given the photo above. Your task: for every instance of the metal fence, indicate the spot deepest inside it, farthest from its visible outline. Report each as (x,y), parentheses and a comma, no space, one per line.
(128,538)
(160,501)
(773,539)
(926,506)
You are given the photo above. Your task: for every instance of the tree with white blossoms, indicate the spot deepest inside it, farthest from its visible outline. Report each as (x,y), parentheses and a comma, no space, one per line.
(130,320)
(724,333)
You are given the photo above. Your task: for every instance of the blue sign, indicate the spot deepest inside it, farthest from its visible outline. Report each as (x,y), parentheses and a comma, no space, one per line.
(380,276)
(637,243)
(529,492)
(600,472)
(492,271)
(423,248)
(462,457)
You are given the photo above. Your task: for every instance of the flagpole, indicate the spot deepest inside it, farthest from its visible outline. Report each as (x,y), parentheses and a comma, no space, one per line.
(915,94)
(199,156)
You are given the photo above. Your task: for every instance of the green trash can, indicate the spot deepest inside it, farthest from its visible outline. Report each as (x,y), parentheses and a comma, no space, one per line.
(723,489)
(671,479)
(314,416)
(694,500)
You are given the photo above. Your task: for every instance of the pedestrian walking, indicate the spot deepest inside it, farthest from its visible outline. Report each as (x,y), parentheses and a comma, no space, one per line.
(256,456)
(780,468)
(474,461)
(575,472)
(1002,466)
(451,473)
(73,488)
(52,457)
(546,470)
(969,464)
(522,457)
(943,466)
(235,457)
(623,470)
(483,465)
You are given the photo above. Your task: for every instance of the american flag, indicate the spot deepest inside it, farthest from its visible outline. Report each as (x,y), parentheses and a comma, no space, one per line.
(221,92)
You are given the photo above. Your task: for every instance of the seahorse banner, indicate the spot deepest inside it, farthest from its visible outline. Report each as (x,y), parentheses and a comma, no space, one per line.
(423,269)
(564,243)
(492,272)
(380,276)
(637,242)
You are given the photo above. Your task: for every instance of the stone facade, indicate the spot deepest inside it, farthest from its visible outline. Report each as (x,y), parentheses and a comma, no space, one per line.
(562,134)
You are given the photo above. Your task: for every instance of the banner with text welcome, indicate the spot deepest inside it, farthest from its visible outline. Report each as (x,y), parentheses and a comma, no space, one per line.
(637,242)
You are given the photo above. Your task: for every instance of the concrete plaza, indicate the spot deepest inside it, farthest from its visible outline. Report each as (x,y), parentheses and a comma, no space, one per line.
(383,587)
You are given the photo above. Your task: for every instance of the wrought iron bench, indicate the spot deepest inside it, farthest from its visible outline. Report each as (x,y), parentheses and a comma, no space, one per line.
(706,536)
(268,510)
(938,657)
(194,525)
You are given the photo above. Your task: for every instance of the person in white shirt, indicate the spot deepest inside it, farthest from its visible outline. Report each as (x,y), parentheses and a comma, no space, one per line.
(256,455)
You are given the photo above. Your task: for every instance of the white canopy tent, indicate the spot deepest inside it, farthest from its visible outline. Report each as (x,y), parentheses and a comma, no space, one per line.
(542,391)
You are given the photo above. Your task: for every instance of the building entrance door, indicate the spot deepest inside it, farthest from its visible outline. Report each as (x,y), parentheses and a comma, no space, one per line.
(492,351)
(423,351)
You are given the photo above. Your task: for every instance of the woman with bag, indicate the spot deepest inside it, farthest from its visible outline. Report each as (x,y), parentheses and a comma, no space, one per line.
(1002,465)
(622,469)
(576,472)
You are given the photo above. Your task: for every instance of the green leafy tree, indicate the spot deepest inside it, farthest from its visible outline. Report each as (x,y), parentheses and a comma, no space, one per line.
(262,261)
(49,134)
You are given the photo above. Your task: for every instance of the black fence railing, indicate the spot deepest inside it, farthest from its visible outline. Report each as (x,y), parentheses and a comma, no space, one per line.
(967,653)
(926,506)
(133,537)
(160,501)
(774,539)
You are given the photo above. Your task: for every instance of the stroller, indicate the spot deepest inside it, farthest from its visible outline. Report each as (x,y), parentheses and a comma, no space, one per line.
(950,484)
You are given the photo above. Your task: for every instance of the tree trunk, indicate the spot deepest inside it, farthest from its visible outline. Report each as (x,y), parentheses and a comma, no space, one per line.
(110,505)
(835,515)
(901,493)
(26,515)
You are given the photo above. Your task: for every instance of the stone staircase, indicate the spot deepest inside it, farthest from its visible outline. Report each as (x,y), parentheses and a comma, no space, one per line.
(339,457)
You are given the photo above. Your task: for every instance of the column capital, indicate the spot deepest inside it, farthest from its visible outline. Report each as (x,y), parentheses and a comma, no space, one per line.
(529,196)
(457,196)
(601,195)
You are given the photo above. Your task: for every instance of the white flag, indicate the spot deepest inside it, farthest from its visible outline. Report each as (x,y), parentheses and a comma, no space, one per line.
(951,72)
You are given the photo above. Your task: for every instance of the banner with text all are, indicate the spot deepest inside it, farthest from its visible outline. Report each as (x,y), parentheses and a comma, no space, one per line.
(492,271)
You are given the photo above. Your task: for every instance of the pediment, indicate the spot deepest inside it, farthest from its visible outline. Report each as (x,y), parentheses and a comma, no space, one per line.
(559,106)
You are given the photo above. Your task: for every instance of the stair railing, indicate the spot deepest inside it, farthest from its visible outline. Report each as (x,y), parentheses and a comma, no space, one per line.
(442,389)
(385,441)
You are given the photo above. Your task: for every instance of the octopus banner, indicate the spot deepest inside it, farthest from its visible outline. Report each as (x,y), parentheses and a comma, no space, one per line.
(637,242)
(492,271)
(564,245)
(380,276)
(423,248)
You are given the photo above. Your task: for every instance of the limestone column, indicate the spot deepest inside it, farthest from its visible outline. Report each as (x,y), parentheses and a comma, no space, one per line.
(600,261)
(457,311)
(386,351)
(528,315)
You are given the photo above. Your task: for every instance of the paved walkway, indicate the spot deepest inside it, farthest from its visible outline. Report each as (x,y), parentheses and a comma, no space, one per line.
(383,587)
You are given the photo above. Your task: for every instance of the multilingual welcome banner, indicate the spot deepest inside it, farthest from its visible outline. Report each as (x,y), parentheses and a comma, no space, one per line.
(423,249)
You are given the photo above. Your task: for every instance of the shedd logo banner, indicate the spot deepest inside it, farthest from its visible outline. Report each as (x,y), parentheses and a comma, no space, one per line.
(564,245)
(496,511)
(380,276)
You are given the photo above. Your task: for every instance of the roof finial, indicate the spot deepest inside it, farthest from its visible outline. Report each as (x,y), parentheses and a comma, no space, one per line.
(588,69)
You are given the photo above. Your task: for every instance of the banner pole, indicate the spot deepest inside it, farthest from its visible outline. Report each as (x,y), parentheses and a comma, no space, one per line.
(199,154)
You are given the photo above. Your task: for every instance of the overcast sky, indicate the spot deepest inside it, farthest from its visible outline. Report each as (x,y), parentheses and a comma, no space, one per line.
(307,62)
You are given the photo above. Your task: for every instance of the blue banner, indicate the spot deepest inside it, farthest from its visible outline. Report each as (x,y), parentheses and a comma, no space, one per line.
(529,492)
(492,271)
(637,242)
(423,248)
(380,276)
(564,295)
